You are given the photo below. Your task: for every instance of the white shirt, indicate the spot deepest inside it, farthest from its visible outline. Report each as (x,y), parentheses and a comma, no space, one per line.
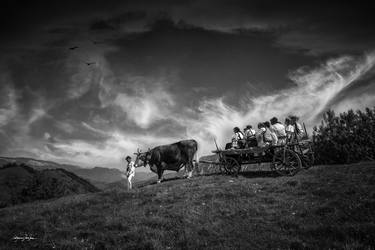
(130,169)
(252,131)
(259,137)
(289,129)
(249,133)
(235,138)
(279,130)
(274,138)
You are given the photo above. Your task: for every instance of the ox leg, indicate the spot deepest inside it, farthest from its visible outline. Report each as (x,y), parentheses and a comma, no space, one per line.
(160,174)
(189,167)
(188,172)
(185,171)
(191,161)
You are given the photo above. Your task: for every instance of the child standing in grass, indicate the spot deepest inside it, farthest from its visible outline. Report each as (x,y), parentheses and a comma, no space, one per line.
(130,171)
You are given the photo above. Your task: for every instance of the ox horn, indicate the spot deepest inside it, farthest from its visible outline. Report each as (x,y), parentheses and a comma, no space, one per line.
(138,151)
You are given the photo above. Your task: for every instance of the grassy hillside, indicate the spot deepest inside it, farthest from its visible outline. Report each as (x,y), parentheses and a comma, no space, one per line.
(139,178)
(326,207)
(20,183)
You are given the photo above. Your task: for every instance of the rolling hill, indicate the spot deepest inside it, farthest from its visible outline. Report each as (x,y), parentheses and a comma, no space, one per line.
(325,207)
(98,176)
(21,183)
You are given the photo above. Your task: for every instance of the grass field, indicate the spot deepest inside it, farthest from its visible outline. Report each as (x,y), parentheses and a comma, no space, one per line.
(326,207)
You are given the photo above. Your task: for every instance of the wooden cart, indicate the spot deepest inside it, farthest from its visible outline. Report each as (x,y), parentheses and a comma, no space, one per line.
(285,160)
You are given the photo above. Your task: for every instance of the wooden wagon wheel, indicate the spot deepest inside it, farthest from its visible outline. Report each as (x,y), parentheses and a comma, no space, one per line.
(232,166)
(286,162)
(221,163)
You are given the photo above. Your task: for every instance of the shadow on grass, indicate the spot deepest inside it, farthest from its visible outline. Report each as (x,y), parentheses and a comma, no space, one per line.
(247,174)
(154,182)
(258,174)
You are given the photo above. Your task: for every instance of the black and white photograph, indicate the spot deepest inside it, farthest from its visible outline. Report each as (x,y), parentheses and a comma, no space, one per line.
(196,124)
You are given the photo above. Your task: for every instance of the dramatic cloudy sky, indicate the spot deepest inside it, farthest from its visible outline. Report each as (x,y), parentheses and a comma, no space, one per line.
(88,82)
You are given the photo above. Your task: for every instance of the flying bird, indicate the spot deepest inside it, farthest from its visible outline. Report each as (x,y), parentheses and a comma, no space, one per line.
(90,63)
(73,48)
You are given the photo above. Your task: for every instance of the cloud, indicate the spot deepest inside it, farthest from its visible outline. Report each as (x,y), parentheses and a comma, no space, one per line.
(316,87)
(80,84)
(171,70)
(103,115)
(108,153)
(147,105)
(8,107)
(357,103)
(315,25)
(127,20)
(95,130)
(143,99)
(101,25)
(65,126)
(150,105)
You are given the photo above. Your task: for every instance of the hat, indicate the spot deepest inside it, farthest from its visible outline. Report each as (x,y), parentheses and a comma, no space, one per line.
(248,127)
(294,117)
(274,120)
(261,125)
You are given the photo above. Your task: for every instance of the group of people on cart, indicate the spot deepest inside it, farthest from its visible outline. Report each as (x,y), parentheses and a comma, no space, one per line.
(269,133)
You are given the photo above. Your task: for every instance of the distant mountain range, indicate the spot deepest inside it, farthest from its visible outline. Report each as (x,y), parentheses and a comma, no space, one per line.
(20,183)
(36,164)
(101,177)
(98,176)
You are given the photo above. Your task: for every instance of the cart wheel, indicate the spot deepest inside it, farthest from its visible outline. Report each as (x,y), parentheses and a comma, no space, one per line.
(232,166)
(286,162)
(221,166)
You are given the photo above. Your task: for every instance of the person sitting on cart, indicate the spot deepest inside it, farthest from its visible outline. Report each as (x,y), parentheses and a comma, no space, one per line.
(260,135)
(270,135)
(299,132)
(237,139)
(279,129)
(249,132)
(263,137)
(289,129)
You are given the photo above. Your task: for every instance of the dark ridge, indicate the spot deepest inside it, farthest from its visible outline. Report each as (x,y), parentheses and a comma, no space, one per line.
(22,165)
(27,159)
(20,183)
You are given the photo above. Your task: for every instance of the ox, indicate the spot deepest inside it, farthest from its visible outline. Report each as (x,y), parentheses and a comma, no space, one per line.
(169,157)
